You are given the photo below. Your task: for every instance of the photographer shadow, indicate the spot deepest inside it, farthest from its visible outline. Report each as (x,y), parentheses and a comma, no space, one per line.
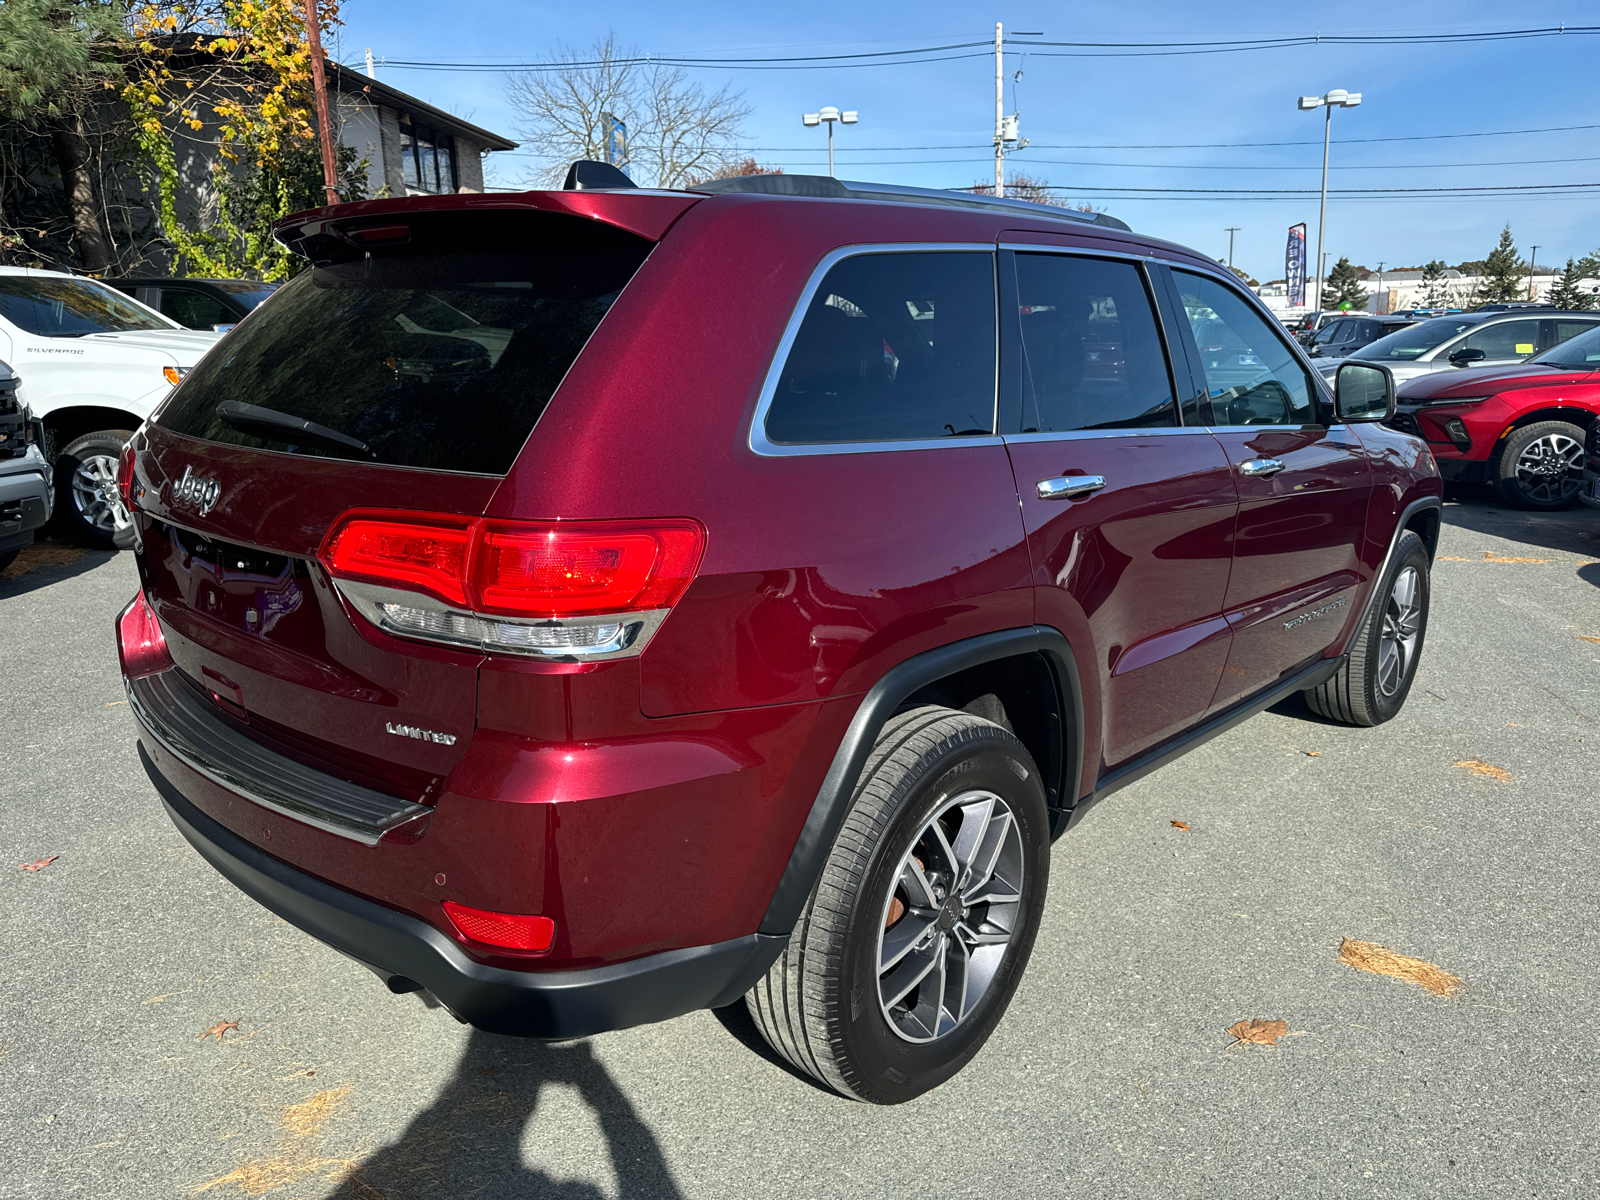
(468,1142)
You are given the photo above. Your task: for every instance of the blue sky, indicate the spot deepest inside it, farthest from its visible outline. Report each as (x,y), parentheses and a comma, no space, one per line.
(1181,101)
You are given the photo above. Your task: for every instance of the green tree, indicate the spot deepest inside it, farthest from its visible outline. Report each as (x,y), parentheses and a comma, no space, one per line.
(1504,276)
(56,57)
(1434,292)
(1567,293)
(1343,284)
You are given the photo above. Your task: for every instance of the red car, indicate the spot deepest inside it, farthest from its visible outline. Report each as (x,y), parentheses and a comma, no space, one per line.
(590,606)
(1521,428)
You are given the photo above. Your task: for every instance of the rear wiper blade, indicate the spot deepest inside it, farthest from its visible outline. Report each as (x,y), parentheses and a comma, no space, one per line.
(252,418)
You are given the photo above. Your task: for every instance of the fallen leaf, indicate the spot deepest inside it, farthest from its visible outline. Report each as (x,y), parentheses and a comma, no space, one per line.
(1257,1031)
(1478,767)
(1487,557)
(39,864)
(1313,754)
(1180,825)
(1584,637)
(220,1028)
(1380,960)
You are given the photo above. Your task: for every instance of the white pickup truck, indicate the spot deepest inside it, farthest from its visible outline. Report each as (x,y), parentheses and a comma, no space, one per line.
(94,364)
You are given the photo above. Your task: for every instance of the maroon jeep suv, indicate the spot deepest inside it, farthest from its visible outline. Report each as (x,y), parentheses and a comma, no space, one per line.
(589,606)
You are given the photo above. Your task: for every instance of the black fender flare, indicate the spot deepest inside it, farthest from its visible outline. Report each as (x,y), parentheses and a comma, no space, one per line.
(838,789)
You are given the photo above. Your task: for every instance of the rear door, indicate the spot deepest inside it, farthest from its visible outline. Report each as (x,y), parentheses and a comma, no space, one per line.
(1129,513)
(416,374)
(1303,489)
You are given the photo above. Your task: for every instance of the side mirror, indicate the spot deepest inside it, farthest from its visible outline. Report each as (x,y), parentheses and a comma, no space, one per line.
(1465,357)
(1363,392)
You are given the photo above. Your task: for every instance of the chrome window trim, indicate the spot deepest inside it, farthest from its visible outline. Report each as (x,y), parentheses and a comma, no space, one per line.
(758,441)
(1081,435)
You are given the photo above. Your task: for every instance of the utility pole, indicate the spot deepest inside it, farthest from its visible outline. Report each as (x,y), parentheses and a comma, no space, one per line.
(371,73)
(1232,229)
(1533,265)
(1382,293)
(999,111)
(319,84)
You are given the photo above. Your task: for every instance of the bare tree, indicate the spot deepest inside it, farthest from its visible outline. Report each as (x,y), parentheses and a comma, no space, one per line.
(677,131)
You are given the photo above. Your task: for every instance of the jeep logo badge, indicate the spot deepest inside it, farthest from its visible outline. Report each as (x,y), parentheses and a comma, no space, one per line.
(195,490)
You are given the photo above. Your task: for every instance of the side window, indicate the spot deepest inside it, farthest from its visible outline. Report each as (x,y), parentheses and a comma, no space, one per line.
(1327,333)
(1571,329)
(1251,375)
(193,309)
(1504,339)
(1091,347)
(893,347)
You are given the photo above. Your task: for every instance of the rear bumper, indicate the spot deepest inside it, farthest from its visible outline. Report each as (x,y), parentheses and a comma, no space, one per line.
(408,954)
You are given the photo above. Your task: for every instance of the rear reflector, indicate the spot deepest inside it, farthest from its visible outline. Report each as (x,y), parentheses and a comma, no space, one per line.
(521,569)
(125,474)
(510,931)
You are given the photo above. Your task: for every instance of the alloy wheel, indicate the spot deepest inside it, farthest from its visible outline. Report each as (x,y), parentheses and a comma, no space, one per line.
(951,911)
(1549,469)
(1402,632)
(94,493)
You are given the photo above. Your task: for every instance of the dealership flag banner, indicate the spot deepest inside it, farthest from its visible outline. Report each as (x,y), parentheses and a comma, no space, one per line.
(1294,265)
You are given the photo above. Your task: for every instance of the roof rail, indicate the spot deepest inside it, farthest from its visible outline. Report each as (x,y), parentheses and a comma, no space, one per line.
(827,186)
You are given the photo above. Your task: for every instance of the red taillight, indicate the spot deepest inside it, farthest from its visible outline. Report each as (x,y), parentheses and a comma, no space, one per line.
(125,474)
(520,568)
(510,931)
(561,570)
(405,550)
(140,641)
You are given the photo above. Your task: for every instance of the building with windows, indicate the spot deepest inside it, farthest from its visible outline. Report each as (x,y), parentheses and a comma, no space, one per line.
(411,148)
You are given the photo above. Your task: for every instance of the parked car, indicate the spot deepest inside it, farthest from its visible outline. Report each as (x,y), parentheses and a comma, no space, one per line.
(1305,327)
(25,496)
(1470,340)
(1348,334)
(1521,428)
(212,304)
(792,698)
(94,364)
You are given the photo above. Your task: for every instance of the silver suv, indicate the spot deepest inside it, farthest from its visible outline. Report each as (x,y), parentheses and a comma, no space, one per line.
(1474,339)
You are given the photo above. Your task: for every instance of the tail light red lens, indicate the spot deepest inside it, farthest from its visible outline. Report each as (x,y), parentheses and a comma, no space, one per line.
(520,568)
(509,931)
(415,551)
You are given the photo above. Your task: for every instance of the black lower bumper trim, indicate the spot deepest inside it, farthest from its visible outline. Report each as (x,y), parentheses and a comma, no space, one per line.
(1463,470)
(540,1004)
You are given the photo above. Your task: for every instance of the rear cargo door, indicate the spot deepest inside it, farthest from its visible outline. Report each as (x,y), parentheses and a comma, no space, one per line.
(401,375)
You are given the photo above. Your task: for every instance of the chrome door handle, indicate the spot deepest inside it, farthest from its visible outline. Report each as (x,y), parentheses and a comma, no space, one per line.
(1068,487)
(1261,466)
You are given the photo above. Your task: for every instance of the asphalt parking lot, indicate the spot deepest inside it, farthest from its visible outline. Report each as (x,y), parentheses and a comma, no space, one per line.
(1464,833)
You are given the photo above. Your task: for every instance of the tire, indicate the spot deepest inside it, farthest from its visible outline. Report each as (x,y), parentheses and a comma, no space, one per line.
(1540,466)
(86,481)
(821,1005)
(1372,684)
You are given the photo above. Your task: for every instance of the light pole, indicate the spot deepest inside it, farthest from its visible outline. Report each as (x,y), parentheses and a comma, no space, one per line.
(828,116)
(1230,231)
(1533,265)
(1338,98)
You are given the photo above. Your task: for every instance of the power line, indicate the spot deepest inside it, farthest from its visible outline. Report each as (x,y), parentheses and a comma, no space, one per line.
(952,51)
(1072,162)
(1508,189)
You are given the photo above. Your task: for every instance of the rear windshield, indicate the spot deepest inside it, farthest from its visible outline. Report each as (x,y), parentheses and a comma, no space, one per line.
(59,307)
(441,354)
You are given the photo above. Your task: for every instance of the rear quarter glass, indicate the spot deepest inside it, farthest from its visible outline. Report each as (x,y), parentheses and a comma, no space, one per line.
(440,352)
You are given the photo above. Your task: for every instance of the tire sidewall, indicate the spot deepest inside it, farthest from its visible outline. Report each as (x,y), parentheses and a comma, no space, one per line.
(1505,469)
(69,519)
(1413,554)
(893,1069)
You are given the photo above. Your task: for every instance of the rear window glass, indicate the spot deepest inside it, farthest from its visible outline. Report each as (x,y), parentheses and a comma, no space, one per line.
(894,347)
(440,355)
